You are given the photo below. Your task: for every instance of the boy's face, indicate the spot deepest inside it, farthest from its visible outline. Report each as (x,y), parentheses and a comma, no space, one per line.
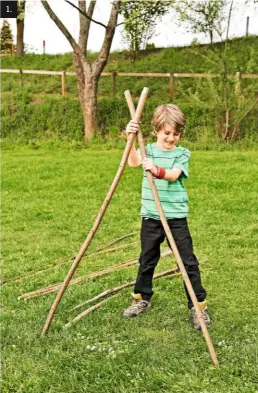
(167,137)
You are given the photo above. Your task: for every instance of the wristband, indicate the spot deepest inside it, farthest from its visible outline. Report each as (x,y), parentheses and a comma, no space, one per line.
(160,172)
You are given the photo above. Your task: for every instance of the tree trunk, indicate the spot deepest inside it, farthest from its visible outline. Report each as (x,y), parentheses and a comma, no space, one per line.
(20,28)
(89,107)
(20,35)
(87,85)
(87,73)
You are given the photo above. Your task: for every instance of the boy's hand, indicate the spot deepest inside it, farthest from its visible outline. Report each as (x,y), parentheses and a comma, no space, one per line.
(148,165)
(132,127)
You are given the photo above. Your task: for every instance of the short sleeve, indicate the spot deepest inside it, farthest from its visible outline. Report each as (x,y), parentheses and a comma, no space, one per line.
(182,162)
(148,153)
(138,153)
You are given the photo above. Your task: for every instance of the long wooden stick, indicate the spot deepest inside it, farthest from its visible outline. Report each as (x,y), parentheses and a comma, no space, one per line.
(168,273)
(55,287)
(112,290)
(137,116)
(65,261)
(116,240)
(171,239)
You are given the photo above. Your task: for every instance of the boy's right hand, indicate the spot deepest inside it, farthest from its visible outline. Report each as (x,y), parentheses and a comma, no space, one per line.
(132,127)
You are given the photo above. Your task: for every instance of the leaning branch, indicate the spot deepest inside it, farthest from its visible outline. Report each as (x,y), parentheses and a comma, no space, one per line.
(242,118)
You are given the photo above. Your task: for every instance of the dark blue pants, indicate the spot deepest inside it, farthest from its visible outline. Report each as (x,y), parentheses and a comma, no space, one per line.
(152,235)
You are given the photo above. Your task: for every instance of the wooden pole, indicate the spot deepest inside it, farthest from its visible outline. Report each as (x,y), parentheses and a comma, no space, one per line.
(247,26)
(63,79)
(20,78)
(238,84)
(171,240)
(114,83)
(171,87)
(100,215)
(226,136)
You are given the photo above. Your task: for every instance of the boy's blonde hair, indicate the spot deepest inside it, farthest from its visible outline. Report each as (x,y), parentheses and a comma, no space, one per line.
(168,114)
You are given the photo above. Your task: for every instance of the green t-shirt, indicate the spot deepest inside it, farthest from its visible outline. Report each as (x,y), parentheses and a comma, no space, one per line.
(172,194)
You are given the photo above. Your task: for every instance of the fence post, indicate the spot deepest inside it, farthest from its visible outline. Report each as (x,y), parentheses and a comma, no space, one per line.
(171,87)
(237,85)
(63,83)
(114,84)
(20,78)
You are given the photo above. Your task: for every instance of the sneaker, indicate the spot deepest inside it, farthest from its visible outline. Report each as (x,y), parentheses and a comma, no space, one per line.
(194,317)
(138,306)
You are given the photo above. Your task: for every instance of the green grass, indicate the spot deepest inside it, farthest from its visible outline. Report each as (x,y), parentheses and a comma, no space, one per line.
(50,200)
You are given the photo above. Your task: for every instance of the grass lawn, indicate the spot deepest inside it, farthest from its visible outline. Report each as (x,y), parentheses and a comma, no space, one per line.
(50,199)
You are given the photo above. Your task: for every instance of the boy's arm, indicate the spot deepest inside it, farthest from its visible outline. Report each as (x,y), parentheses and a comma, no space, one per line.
(134,159)
(170,175)
(173,174)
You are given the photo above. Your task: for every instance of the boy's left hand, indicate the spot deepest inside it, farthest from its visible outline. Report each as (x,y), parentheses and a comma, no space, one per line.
(148,165)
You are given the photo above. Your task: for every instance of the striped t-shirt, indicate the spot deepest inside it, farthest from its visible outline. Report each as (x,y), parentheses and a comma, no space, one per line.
(172,194)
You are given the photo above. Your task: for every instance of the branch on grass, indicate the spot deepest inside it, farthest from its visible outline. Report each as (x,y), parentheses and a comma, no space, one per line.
(56,287)
(113,291)
(117,240)
(64,261)
(104,250)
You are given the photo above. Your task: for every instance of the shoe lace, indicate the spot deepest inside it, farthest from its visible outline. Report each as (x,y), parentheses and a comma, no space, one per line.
(138,304)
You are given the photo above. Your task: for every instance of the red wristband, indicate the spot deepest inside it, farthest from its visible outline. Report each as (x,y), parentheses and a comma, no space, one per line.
(160,172)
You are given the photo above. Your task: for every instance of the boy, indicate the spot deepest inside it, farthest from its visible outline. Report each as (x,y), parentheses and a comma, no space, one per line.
(168,163)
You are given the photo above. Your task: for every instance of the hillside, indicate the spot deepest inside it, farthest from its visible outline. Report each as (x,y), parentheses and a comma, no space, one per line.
(242,56)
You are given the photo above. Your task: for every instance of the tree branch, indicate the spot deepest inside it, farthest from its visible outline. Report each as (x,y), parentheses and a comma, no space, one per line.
(61,27)
(242,118)
(85,14)
(85,24)
(102,57)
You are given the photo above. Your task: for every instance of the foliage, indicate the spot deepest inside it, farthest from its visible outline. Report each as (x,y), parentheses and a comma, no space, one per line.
(202,16)
(50,198)
(6,38)
(201,99)
(140,19)
(26,118)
